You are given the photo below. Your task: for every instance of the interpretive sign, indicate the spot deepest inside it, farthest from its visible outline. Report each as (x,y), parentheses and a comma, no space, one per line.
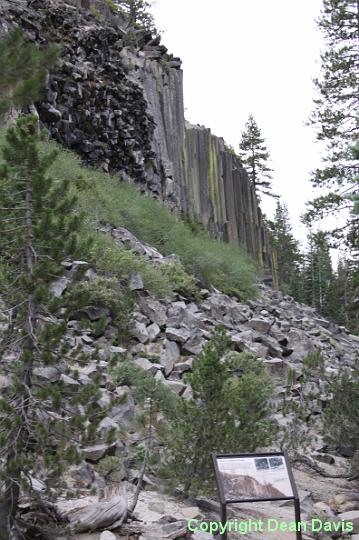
(254,477)
(251,477)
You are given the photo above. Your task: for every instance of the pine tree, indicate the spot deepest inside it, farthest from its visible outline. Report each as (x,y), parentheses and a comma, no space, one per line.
(341,421)
(23,70)
(229,412)
(347,292)
(38,230)
(137,12)
(318,274)
(286,247)
(255,157)
(335,115)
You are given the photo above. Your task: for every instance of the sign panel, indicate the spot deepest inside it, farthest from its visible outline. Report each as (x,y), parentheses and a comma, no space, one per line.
(254,477)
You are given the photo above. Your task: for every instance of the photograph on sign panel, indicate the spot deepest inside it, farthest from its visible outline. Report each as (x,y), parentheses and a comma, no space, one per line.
(255,477)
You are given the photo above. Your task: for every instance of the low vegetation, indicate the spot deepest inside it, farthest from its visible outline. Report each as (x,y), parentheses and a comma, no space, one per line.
(338,422)
(105,199)
(229,412)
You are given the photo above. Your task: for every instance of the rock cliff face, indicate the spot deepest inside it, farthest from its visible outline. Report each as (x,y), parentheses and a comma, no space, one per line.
(121,107)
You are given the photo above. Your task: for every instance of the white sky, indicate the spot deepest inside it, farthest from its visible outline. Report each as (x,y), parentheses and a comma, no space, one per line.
(252,56)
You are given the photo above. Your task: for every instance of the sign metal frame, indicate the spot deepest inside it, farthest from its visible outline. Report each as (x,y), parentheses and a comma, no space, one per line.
(224,501)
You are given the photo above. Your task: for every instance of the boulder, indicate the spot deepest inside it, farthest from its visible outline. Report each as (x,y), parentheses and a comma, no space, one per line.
(353,517)
(199,535)
(107,535)
(92,313)
(124,412)
(172,350)
(136,282)
(344,502)
(277,367)
(80,476)
(159,376)
(147,365)
(107,425)
(181,335)
(191,512)
(176,386)
(176,529)
(195,343)
(116,350)
(48,113)
(274,348)
(139,331)
(153,331)
(260,325)
(69,381)
(154,310)
(58,287)
(324,511)
(97,452)
(324,458)
(182,367)
(49,373)
(188,394)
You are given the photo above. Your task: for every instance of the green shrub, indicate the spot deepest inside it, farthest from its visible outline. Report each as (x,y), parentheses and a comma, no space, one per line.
(103,293)
(111,468)
(181,281)
(341,419)
(120,263)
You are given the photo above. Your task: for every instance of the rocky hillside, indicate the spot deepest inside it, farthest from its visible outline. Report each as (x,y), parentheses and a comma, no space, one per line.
(120,106)
(164,340)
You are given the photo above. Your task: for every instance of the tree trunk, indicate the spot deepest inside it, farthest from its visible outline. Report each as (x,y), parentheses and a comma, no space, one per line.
(20,435)
(145,461)
(4,528)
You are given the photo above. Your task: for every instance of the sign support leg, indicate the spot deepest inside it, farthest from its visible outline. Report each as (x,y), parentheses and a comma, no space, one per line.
(224,520)
(297,519)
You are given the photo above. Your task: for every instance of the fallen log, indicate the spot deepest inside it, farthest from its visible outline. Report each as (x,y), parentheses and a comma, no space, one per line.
(109,512)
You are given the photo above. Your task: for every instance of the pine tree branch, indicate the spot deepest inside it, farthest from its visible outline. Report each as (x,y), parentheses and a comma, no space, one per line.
(14,208)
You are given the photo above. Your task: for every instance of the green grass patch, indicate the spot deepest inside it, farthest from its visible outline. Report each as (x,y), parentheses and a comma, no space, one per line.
(105,198)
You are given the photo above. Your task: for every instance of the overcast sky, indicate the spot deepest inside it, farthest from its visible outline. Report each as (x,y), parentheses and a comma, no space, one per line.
(252,56)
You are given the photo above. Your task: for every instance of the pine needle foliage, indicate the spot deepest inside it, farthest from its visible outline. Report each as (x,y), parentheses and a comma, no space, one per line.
(338,422)
(228,413)
(335,118)
(286,247)
(23,70)
(255,157)
(40,431)
(341,421)
(138,14)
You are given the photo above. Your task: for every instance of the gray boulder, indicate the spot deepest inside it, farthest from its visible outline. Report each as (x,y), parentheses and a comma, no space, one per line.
(136,282)
(140,332)
(181,335)
(260,325)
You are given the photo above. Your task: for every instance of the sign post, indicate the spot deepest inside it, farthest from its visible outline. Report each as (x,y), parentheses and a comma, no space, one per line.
(255,477)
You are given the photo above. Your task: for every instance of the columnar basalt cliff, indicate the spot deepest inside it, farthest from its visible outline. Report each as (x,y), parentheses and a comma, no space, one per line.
(120,107)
